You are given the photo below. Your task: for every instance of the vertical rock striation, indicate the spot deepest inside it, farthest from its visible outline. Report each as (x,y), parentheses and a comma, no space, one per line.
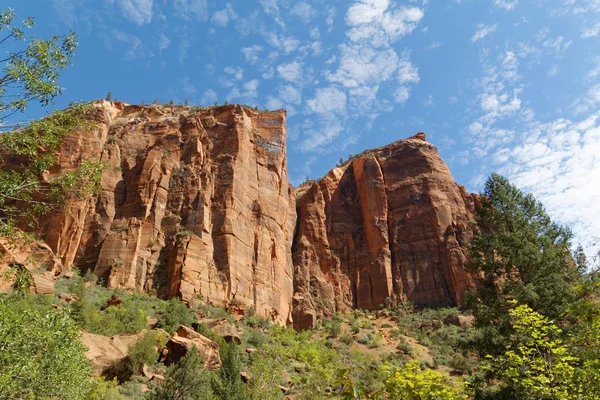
(194,202)
(391,225)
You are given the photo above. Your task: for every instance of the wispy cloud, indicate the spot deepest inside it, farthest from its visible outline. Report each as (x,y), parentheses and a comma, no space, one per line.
(304,11)
(482,31)
(507,4)
(132,46)
(138,11)
(190,9)
(222,17)
(291,72)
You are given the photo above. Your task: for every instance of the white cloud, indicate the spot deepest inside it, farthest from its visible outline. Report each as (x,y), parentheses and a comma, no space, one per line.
(558,44)
(303,11)
(558,162)
(287,44)
(507,4)
(223,17)
(553,71)
(401,94)
(163,42)
(595,71)
(66,10)
(188,9)
(273,103)
(407,72)
(133,46)
(209,97)
(290,94)
(187,86)
(482,31)
(236,73)
(326,100)
(370,20)
(270,6)
(251,53)
(138,11)
(591,32)
(291,72)
(364,64)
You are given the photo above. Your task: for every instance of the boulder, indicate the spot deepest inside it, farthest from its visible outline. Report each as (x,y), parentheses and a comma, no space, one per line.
(104,351)
(186,339)
(224,329)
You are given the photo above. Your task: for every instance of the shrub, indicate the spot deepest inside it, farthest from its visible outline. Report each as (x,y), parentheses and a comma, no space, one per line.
(145,350)
(186,380)
(41,355)
(174,314)
(347,339)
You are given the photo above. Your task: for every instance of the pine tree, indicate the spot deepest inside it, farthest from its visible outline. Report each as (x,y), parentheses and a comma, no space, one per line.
(228,384)
(523,256)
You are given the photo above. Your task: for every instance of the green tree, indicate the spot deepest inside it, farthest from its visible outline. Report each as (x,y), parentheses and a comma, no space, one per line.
(30,73)
(41,355)
(228,385)
(522,255)
(186,380)
(537,364)
(412,383)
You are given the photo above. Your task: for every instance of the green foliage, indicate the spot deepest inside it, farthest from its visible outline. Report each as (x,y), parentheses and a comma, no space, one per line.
(127,318)
(186,380)
(537,364)
(174,314)
(21,279)
(30,73)
(105,390)
(24,194)
(523,256)
(412,383)
(145,350)
(41,355)
(228,385)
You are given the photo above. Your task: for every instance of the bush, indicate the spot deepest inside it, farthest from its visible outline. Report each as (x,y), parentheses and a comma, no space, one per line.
(186,380)
(114,320)
(41,355)
(145,350)
(174,314)
(347,339)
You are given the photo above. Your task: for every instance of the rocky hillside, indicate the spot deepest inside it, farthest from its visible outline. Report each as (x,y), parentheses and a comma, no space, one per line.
(196,203)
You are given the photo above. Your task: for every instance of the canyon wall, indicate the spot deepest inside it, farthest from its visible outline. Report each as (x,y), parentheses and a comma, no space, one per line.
(390,225)
(195,203)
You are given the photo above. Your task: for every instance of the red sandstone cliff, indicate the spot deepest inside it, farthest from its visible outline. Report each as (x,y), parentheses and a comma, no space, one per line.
(194,201)
(390,225)
(197,203)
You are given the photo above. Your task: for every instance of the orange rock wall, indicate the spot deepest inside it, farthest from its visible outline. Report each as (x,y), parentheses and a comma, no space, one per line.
(194,203)
(391,225)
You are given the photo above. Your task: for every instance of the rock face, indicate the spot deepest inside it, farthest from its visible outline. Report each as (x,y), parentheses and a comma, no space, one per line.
(194,203)
(391,225)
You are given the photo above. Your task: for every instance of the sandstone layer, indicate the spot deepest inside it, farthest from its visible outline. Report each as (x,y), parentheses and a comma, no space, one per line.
(195,203)
(390,225)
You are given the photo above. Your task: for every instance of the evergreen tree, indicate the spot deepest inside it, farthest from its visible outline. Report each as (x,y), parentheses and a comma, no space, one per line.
(228,384)
(186,380)
(523,256)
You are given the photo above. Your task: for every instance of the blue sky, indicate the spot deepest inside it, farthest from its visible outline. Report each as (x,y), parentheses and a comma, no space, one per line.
(511,86)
